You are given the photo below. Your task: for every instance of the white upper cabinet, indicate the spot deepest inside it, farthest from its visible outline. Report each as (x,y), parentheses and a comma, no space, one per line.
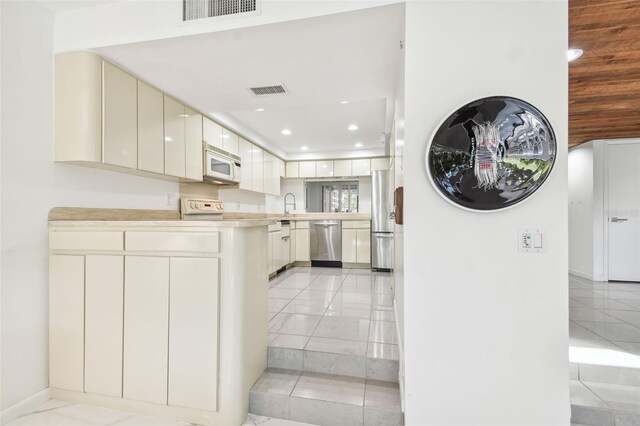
(257,169)
(307,169)
(269,187)
(230,141)
(174,133)
(120,108)
(275,184)
(324,168)
(150,129)
(193,144)
(283,171)
(361,167)
(342,168)
(212,133)
(380,163)
(292,169)
(246,169)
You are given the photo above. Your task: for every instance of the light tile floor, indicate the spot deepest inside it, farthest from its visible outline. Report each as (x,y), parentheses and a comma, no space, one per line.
(59,413)
(604,330)
(347,311)
(604,321)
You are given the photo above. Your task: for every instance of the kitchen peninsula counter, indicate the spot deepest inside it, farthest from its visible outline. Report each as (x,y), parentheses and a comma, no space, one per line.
(155,315)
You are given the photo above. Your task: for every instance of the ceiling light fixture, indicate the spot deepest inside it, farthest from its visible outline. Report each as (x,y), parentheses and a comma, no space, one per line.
(304,148)
(286,132)
(573,54)
(259,109)
(353,127)
(344,102)
(359,145)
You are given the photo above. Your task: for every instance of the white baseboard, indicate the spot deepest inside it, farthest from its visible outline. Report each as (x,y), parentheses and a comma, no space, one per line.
(25,406)
(581,274)
(400,356)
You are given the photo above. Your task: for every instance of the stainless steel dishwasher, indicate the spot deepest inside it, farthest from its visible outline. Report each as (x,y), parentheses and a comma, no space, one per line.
(325,242)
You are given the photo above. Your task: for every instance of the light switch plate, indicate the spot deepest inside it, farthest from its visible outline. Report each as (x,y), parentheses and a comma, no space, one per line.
(531,240)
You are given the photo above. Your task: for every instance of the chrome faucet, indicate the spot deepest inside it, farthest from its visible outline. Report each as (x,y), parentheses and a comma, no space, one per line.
(285,202)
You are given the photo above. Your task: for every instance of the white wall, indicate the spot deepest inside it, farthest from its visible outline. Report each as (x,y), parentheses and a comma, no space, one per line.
(31,185)
(581,210)
(139,20)
(486,329)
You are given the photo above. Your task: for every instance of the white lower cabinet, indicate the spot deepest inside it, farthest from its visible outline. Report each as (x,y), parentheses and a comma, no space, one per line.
(275,251)
(146,336)
(302,244)
(193,332)
(103,325)
(356,242)
(66,322)
(135,320)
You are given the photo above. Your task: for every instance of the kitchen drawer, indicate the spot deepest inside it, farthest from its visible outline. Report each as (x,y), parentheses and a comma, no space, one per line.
(356,224)
(302,225)
(86,240)
(275,227)
(193,242)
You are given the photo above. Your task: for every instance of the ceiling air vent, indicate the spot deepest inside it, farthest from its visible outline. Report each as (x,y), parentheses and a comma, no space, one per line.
(268,90)
(200,9)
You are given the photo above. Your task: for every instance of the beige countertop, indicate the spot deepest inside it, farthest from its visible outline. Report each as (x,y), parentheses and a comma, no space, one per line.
(92,217)
(241,223)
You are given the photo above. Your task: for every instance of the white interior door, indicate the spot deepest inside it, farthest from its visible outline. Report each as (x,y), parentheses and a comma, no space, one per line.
(624,206)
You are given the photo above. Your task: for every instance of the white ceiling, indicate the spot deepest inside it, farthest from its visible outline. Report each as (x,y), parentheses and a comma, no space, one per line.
(66,5)
(350,56)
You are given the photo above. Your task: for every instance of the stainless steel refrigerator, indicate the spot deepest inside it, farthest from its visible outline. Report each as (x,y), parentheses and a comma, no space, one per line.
(381,220)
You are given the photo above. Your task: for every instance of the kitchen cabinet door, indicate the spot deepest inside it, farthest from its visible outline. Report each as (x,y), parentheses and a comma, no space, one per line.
(270,252)
(212,132)
(174,133)
(324,168)
(193,144)
(103,325)
(302,245)
(120,112)
(283,170)
(292,169)
(286,249)
(277,250)
(275,176)
(361,167)
(146,332)
(193,333)
(292,247)
(150,129)
(257,170)
(245,148)
(349,246)
(268,173)
(230,141)
(342,168)
(380,163)
(307,169)
(66,322)
(363,237)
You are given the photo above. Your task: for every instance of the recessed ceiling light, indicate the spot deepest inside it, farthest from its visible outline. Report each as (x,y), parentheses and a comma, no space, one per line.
(286,132)
(353,127)
(344,102)
(573,54)
(359,145)
(304,148)
(259,109)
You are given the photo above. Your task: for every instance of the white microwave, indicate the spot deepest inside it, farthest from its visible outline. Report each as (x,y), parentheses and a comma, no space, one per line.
(220,166)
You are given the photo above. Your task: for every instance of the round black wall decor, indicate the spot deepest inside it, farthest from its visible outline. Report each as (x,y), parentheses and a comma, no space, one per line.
(491,154)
